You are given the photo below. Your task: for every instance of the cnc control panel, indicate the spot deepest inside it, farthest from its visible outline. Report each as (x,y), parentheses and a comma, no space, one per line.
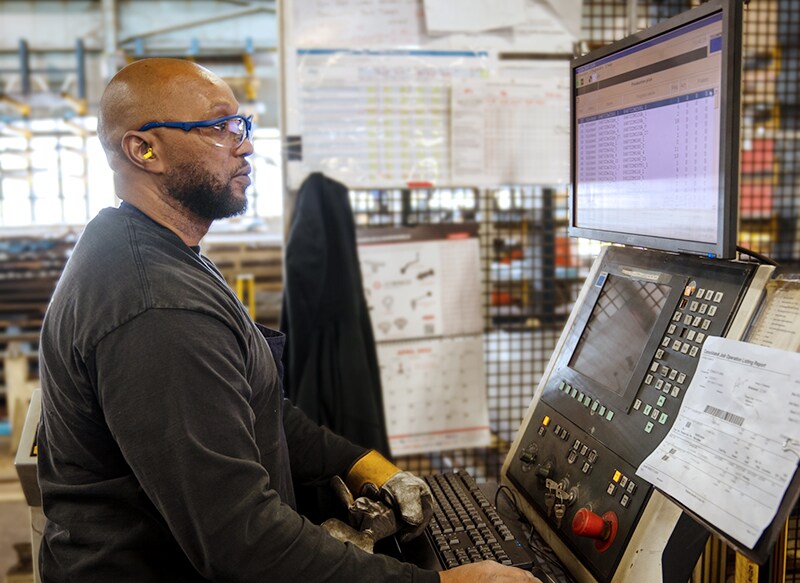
(613,390)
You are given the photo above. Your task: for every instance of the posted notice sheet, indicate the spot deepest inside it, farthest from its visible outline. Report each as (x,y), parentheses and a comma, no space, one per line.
(734,446)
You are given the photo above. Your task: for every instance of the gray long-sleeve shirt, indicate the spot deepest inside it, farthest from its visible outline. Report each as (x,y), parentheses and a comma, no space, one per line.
(166,449)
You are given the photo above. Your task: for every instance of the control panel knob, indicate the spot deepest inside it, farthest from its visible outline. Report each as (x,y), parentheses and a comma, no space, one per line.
(545,470)
(601,528)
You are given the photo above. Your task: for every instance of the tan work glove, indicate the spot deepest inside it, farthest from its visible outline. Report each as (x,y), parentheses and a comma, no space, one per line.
(374,476)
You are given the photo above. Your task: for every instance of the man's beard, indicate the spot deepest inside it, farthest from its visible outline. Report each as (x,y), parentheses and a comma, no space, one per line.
(201,193)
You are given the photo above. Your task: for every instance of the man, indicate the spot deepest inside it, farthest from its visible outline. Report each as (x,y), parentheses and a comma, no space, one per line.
(167,452)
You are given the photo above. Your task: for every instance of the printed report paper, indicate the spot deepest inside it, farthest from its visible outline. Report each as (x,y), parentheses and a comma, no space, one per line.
(735,443)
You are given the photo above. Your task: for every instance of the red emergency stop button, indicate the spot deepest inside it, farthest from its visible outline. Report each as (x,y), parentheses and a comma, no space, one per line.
(601,528)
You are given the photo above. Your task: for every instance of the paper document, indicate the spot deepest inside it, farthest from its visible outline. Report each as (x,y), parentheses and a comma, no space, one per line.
(734,446)
(472,15)
(778,324)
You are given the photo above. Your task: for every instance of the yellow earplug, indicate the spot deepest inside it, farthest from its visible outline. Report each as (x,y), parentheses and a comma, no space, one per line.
(148,154)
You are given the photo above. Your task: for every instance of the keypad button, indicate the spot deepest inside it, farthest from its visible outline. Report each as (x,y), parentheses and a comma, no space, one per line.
(690,335)
(709,294)
(672,374)
(663,418)
(696,321)
(700,293)
(647,380)
(665,369)
(595,405)
(564,434)
(584,449)
(602,411)
(659,384)
(623,482)
(574,392)
(667,387)
(632,487)
(681,378)
(676,345)
(654,415)
(666,341)
(700,337)
(711,311)
(660,353)
(587,467)
(676,316)
(617,476)
(611,488)
(703,309)
(661,400)
(572,456)
(649,427)
(647,409)
(654,366)
(637,404)
(685,348)
(557,429)
(687,319)
(676,391)
(593,456)
(576,445)
(625,501)
(671,329)
(706,324)
(718,297)
(610,415)
(693,307)
(693,351)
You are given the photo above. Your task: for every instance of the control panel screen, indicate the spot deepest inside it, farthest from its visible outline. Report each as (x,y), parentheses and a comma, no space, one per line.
(618,330)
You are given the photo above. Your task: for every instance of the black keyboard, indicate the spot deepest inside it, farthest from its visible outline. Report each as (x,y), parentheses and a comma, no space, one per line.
(466,528)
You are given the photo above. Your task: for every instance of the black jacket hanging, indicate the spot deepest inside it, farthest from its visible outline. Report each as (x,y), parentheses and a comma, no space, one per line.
(331,365)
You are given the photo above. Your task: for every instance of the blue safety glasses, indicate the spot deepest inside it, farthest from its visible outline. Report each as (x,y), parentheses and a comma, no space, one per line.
(226,132)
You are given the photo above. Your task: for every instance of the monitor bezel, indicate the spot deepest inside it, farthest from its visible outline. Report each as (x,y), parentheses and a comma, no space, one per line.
(730,99)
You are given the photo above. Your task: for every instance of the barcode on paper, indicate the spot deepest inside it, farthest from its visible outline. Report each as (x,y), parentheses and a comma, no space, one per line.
(724,415)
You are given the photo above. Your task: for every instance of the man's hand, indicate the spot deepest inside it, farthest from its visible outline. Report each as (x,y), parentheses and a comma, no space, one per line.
(412,498)
(486,572)
(374,476)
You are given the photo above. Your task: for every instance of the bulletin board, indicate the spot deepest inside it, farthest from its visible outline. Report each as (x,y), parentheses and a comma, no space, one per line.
(405,93)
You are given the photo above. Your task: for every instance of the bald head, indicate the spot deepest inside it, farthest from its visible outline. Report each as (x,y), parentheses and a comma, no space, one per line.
(154,90)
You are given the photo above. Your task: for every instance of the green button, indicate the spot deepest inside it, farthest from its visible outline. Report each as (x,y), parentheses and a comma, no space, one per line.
(561,385)
(595,405)
(649,427)
(602,411)
(647,409)
(587,401)
(661,400)
(580,396)
(574,392)
(610,415)
(663,418)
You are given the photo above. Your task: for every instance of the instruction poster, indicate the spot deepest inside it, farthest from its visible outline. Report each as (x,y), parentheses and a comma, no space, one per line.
(422,287)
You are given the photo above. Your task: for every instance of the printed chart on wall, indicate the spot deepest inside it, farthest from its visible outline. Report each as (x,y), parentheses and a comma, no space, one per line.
(423,291)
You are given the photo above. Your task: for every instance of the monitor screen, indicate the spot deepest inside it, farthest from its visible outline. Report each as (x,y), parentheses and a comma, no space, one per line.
(618,330)
(655,137)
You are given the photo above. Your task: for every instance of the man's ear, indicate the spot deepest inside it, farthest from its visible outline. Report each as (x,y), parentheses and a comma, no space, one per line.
(141,151)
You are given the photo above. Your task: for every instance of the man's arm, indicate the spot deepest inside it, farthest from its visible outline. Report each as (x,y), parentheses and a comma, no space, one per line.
(172,387)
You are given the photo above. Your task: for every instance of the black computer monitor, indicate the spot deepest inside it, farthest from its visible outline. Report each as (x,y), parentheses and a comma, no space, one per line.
(655,135)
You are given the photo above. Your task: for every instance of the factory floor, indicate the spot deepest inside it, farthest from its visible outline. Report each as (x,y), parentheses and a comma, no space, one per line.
(14,517)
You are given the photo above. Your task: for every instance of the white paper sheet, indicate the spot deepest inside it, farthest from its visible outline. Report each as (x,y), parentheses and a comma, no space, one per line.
(512,130)
(472,15)
(422,289)
(778,324)
(380,118)
(733,448)
(434,394)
